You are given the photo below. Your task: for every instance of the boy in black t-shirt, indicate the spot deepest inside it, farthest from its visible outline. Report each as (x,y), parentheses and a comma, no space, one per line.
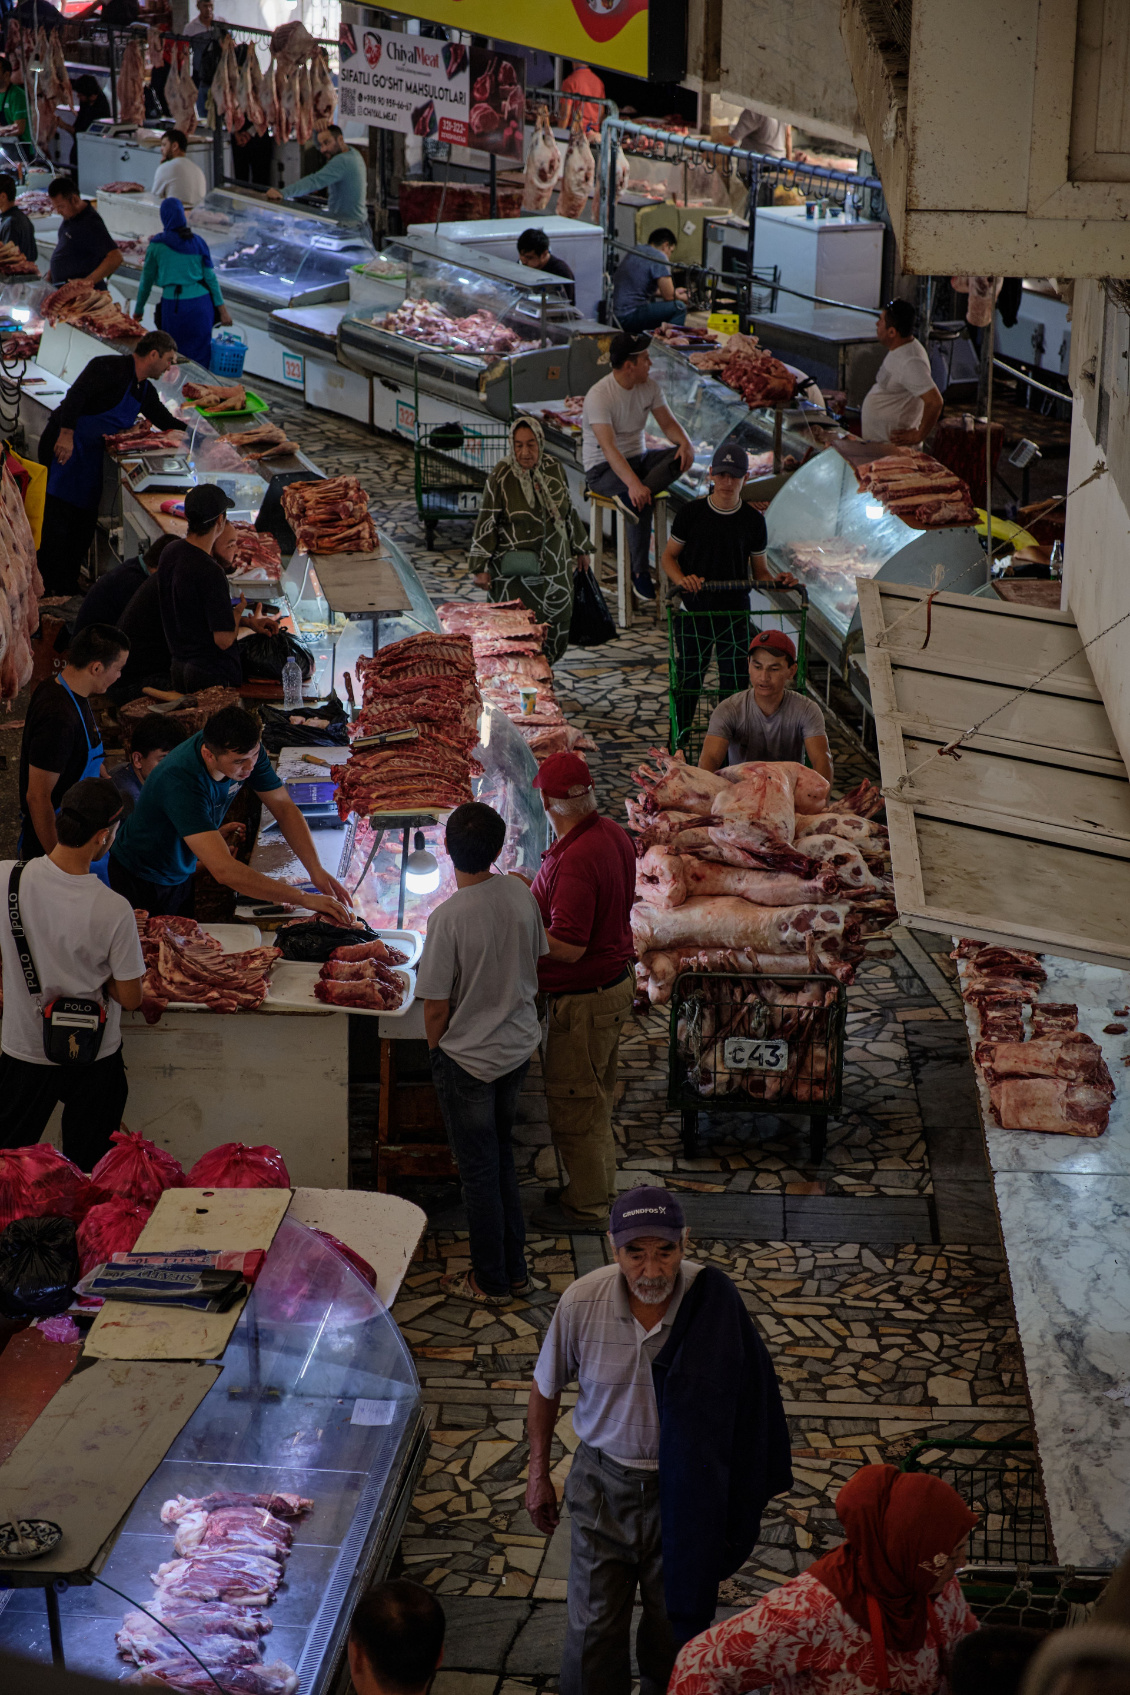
(717,539)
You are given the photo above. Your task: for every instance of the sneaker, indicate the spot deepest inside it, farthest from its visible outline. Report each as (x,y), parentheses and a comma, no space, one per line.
(643,588)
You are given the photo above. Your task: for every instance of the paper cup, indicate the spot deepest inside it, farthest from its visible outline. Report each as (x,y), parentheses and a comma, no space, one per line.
(529,699)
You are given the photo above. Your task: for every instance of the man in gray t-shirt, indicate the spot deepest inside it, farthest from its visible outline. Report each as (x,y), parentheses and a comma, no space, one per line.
(768,720)
(478,980)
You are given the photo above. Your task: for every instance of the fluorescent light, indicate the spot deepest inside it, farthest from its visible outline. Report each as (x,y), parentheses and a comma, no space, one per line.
(421,869)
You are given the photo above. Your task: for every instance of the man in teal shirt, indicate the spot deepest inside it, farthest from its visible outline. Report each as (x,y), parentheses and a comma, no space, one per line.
(178,823)
(342,176)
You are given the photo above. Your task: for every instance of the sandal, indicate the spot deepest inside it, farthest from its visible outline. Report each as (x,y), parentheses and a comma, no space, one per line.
(531,1286)
(458,1284)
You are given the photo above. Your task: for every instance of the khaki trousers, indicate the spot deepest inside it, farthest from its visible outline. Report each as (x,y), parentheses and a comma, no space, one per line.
(582,1050)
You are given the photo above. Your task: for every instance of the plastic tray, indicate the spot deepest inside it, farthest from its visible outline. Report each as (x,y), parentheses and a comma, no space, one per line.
(291,989)
(254,404)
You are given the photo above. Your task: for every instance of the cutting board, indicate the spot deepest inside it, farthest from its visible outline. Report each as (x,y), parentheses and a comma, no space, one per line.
(237,1219)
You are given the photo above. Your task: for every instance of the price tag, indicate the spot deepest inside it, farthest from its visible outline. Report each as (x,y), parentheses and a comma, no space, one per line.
(373,1412)
(469,500)
(743,1053)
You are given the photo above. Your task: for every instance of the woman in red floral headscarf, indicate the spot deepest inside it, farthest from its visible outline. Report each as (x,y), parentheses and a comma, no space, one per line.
(882,1611)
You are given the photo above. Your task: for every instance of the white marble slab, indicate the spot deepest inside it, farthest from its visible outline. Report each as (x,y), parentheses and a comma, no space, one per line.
(1067,1238)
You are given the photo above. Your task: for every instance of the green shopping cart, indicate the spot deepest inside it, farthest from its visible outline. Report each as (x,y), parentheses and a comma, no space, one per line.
(453,462)
(707,659)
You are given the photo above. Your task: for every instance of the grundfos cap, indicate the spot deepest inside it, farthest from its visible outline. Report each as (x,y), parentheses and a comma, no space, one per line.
(646,1211)
(777,642)
(564,776)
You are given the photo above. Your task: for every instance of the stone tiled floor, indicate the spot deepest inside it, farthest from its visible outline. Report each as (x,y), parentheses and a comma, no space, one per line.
(875,1277)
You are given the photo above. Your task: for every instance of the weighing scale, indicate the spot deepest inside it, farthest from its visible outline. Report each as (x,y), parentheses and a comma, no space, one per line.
(163,471)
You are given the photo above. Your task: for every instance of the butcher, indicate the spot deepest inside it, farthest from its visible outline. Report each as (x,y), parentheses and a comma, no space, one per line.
(769,720)
(202,622)
(85,250)
(904,402)
(104,398)
(177,174)
(535,253)
(584,889)
(178,823)
(342,176)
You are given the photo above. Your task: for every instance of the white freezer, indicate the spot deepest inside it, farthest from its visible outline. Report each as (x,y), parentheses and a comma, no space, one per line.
(581,245)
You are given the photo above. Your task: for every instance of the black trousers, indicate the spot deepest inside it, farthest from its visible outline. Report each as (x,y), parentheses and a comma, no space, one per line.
(93,1097)
(67,534)
(697,636)
(156,898)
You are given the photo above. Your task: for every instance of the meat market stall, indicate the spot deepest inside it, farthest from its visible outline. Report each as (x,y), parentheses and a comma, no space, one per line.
(127,152)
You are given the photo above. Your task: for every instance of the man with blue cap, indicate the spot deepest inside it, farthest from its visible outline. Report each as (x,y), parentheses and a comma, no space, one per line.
(682,1442)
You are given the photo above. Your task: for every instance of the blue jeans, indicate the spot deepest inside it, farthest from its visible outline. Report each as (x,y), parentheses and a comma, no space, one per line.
(658,468)
(479,1118)
(649,317)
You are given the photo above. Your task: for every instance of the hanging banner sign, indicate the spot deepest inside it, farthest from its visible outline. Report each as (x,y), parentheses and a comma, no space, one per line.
(406,83)
(644,38)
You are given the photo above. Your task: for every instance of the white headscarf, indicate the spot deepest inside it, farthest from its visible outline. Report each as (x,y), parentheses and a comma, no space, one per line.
(533,483)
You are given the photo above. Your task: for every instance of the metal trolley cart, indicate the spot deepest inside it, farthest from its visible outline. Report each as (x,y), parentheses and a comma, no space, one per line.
(757,1044)
(453,462)
(696,645)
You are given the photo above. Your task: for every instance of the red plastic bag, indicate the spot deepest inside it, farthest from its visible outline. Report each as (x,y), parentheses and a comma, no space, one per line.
(37,1182)
(111,1227)
(233,1165)
(361,1266)
(136,1168)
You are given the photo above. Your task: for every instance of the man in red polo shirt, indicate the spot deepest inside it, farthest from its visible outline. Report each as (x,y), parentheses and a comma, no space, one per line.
(585,890)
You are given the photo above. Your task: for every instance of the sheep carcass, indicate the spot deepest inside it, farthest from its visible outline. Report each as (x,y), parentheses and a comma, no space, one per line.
(542,166)
(578,175)
(667,879)
(719,921)
(322,90)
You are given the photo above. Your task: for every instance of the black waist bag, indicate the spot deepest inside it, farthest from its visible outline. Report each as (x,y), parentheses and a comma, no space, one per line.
(73,1025)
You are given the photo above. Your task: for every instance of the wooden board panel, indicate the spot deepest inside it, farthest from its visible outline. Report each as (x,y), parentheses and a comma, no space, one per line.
(1039,721)
(383,1229)
(360,582)
(1036,800)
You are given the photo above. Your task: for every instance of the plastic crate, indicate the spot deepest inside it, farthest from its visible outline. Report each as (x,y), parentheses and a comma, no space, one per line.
(1000,1481)
(228,354)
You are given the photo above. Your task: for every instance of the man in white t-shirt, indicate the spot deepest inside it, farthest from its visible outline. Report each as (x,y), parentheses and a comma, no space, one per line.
(616,458)
(904,404)
(177,175)
(83,940)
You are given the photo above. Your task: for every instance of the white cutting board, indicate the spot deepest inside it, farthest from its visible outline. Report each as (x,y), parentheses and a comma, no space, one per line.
(290,988)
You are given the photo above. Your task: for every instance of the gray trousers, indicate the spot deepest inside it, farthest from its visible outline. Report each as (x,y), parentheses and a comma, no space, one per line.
(616,1544)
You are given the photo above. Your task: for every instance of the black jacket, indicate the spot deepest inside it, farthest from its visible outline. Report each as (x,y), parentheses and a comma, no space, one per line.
(99,388)
(724,1447)
(17,226)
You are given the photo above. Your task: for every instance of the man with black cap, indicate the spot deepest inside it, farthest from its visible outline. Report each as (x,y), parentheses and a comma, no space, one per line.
(82,938)
(618,463)
(584,890)
(717,539)
(682,1442)
(769,720)
(201,620)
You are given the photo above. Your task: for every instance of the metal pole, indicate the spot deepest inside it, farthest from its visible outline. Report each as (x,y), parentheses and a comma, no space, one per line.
(494,185)
(989,433)
(403,876)
(751,239)
(54,1626)
(113,76)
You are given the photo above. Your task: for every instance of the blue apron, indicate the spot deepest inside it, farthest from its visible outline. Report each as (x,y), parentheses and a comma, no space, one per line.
(95,753)
(79,481)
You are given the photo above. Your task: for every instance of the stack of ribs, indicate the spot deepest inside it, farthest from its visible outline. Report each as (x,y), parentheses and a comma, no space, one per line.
(362,976)
(230,1553)
(425,682)
(1056,1080)
(330,516)
(92,310)
(508,631)
(13,262)
(919,489)
(190,966)
(144,437)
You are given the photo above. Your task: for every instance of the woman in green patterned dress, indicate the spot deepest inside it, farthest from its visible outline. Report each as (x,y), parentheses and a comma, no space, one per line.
(526,508)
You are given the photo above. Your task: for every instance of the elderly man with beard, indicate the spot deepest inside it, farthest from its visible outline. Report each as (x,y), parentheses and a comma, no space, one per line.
(682,1441)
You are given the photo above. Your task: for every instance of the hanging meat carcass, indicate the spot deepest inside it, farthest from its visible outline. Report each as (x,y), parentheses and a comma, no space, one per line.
(286,102)
(270,97)
(292,44)
(578,174)
(542,166)
(14,49)
(251,93)
(131,83)
(154,48)
(322,90)
(180,91)
(50,90)
(304,106)
(225,88)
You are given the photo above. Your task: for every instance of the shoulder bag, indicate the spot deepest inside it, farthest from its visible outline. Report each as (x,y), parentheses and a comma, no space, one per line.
(522,561)
(73,1025)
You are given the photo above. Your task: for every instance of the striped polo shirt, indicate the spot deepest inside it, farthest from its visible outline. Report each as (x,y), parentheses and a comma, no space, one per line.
(594,1338)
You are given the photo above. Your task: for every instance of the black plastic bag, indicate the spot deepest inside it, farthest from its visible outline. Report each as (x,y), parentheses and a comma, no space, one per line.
(312,941)
(265,656)
(38,1267)
(592,623)
(293,729)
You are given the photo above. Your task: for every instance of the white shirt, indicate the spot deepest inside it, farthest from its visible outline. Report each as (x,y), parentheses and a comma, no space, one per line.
(180,179)
(760,133)
(199,27)
(80,934)
(626,409)
(895,401)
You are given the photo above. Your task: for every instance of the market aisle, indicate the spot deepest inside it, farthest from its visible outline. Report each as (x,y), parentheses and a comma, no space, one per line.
(877,1278)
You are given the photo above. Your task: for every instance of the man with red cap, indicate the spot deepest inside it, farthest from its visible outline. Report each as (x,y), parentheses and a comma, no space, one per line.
(769,720)
(584,890)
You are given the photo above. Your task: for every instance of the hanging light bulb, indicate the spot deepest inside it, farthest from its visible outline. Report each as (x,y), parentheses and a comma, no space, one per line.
(421,872)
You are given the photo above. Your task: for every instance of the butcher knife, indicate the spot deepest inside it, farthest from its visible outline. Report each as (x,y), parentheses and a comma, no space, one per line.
(387,738)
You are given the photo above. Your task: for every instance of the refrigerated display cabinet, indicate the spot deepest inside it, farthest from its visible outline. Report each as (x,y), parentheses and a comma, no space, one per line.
(268,256)
(317,1397)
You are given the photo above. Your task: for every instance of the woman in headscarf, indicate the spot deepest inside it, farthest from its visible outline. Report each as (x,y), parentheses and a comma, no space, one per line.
(882,1611)
(526,509)
(180,265)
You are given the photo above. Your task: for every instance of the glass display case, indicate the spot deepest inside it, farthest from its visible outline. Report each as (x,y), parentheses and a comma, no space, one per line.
(318,1398)
(274,255)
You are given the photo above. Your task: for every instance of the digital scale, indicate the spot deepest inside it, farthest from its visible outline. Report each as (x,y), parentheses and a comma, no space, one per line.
(163,471)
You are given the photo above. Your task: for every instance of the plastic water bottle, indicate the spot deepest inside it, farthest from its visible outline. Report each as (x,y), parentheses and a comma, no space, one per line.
(292,683)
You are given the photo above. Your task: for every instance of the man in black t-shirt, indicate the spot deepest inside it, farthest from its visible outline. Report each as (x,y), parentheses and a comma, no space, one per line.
(201,623)
(717,539)
(62,743)
(533,252)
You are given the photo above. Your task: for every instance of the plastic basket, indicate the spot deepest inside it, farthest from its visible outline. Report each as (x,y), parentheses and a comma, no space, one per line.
(228,354)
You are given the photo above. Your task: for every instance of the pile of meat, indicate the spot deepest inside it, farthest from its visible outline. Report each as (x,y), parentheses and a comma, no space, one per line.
(508,645)
(13,263)
(424,321)
(17,347)
(184,964)
(230,1556)
(20,585)
(35,202)
(92,310)
(1045,1074)
(919,489)
(262,441)
(743,364)
(254,553)
(362,976)
(426,682)
(133,249)
(752,869)
(191,712)
(144,437)
(330,516)
(834,565)
(568,415)
(677,335)
(216,397)
(122,188)
(798,1015)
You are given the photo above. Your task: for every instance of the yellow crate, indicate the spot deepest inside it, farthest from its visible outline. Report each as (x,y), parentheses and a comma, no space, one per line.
(726,323)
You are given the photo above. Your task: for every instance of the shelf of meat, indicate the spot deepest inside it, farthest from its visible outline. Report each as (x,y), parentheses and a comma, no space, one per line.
(273,1509)
(277,256)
